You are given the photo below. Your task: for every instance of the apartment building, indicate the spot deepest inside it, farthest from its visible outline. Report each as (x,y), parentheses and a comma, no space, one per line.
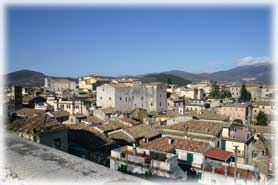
(125,98)
(142,161)
(188,151)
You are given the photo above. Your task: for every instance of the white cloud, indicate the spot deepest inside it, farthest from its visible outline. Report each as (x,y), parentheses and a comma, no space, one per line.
(254,60)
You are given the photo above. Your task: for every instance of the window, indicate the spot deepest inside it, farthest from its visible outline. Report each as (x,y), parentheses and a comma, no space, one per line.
(151,104)
(160,104)
(142,105)
(160,95)
(100,98)
(126,99)
(189,157)
(102,89)
(110,98)
(120,98)
(142,98)
(213,181)
(57,143)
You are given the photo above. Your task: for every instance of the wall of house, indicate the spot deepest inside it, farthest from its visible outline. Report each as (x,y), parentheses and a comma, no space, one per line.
(151,98)
(210,178)
(198,158)
(234,112)
(256,93)
(106,96)
(49,140)
(194,108)
(177,119)
(79,107)
(235,91)
(241,148)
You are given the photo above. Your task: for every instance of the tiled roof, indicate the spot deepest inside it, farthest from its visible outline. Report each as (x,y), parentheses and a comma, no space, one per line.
(210,115)
(121,136)
(263,103)
(108,110)
(111,125)
(94,119)
(218,154)
(197,126)
(142,130)
(58,114)
(242,105)
(163,145)
(130,121)
(28,112)
(36,125)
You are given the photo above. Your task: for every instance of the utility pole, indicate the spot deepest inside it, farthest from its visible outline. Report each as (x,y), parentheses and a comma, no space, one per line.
(235,169)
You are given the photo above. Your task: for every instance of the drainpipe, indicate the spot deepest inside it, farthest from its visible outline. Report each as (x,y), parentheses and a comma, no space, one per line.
(226,168)
(235,169)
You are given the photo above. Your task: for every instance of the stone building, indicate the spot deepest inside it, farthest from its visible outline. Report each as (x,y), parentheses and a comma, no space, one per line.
(235,90)
(267,107)
(91,82)
(59,84)
(236,111)
(124,98)
(43,129)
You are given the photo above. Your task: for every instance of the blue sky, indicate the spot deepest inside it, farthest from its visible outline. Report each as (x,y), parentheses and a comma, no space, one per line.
(74,41)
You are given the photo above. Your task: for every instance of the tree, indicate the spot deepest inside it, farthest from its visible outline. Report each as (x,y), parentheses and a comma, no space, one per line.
(169,80)
(261,119)
(238,121)
(215,92)
(226,94)
(245,96)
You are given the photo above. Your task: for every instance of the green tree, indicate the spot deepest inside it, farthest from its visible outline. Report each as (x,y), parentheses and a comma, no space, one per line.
(245,96)
(261,119)
(215,92)
(169,80)
(238,121)
(226,94)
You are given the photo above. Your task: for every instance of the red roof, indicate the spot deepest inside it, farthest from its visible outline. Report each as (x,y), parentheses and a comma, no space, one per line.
(217,153)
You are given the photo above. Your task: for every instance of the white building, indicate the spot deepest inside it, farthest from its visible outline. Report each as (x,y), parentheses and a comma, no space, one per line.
(59,84)
(125,98)
(72,106)
(143,161)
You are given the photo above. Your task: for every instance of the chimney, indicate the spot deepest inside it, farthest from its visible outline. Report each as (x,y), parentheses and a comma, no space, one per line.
(134,149)
(170,141)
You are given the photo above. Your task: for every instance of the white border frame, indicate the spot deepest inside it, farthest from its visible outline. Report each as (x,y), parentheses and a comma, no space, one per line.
(55,3)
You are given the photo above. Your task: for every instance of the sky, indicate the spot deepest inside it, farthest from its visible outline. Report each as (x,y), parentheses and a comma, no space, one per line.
(75,41)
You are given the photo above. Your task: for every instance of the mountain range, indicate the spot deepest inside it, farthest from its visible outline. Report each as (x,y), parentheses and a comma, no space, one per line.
(255,73)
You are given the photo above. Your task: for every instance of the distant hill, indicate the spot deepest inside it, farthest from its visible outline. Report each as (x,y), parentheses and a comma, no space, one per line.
(28,78)
(165,78)
(256,73)
(25,78)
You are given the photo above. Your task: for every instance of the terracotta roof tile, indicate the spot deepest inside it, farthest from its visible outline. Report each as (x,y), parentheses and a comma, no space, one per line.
(217,153)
